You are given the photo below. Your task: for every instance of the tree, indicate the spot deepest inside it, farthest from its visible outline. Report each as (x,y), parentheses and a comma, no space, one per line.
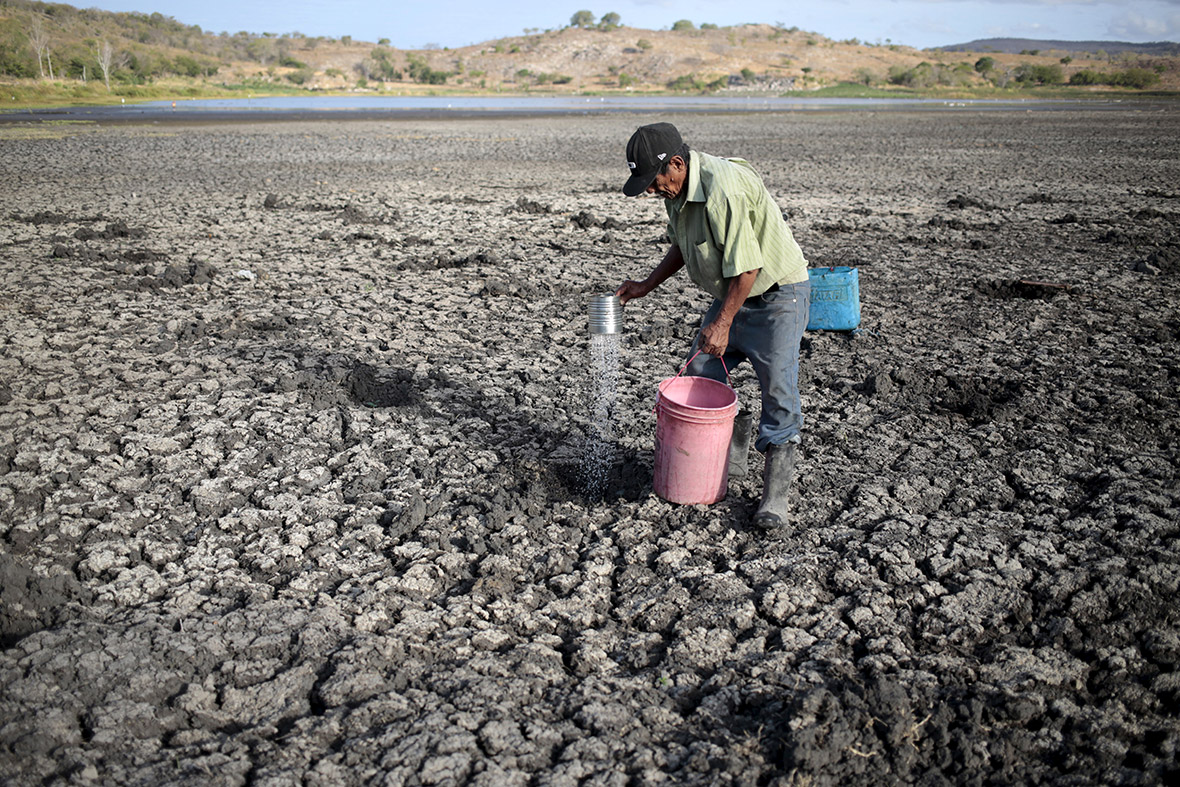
(1086,76)
(420,71)
(683,25)
(263,50)
(582,19)
(1135,77)
(1027,74)
(39,40)
(609,21)
(104,53)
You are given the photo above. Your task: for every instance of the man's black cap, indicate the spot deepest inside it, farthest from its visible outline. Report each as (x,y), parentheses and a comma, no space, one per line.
(647,150)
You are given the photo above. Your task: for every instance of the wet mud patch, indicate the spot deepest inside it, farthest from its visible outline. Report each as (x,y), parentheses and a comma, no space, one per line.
(529,206)
(834,228)
(958,224)
(348,214)
(53,218)
(369,386)
(353,214)
(112,231)
(962,202)
(145,258)
(1040,198)
(30,602)
(1160,261)
(1022,289)
(462,200)
(982,400)
(572,474)
(587,220)
(444,261)
(195,271)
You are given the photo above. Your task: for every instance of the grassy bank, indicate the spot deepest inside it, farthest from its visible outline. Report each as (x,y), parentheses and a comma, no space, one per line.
(1039,92)
(36,94)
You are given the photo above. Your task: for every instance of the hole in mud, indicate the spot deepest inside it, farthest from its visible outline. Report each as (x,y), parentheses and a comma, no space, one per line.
(371,387)
(564,478)
(30,602)
(980,401)
(1027,289)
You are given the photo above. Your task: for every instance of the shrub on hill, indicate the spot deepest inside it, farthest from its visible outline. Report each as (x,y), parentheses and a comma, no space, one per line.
(931,75)
(693,83)
(1138,78)
(1026,74)
(421,72)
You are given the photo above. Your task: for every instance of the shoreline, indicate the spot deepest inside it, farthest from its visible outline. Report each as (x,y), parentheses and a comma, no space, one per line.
(296,108)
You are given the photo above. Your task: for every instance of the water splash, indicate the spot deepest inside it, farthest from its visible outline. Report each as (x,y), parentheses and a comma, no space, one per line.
(599,454)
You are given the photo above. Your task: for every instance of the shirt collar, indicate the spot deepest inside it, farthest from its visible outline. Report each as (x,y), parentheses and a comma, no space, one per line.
(693,190)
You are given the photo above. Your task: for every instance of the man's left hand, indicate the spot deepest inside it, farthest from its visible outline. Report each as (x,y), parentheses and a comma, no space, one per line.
(715,335)
(715,338)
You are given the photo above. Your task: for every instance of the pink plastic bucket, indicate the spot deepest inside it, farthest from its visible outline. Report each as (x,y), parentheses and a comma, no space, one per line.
(694,423)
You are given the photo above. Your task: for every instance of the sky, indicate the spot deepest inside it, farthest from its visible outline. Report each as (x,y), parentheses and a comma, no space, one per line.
(414,24)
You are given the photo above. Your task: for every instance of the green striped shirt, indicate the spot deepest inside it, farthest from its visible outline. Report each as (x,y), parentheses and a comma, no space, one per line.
(726,223)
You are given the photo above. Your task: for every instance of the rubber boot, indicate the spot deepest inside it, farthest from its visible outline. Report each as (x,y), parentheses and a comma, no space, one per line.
(776,486)
(739,445)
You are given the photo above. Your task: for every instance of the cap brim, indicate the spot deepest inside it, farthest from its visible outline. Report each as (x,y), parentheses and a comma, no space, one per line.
(637,184)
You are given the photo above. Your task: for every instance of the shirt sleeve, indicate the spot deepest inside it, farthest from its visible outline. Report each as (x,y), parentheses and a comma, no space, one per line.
(730,220)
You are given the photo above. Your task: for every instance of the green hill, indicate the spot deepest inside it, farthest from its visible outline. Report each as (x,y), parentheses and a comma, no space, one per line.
(56,53)
(1015,46)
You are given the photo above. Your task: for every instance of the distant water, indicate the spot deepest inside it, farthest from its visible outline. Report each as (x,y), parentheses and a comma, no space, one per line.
(563,104)
(296,107)
(595,104)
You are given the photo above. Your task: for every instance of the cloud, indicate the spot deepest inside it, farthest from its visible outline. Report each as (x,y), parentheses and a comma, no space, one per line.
(1051,3)
(1022,30)
(1136,26)
(1032,2)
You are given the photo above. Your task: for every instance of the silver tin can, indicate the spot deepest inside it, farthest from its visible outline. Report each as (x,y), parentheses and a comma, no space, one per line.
(606,314)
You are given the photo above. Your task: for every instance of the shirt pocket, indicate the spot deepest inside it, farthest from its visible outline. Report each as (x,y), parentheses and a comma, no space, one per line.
(707,255)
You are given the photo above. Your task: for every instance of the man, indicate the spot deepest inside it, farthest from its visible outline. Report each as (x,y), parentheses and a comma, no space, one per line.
(727,231)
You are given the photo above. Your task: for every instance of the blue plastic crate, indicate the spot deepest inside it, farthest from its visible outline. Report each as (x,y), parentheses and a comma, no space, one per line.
(835,299)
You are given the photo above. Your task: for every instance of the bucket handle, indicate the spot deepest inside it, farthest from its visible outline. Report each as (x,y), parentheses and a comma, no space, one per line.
(728,379)
(721,358)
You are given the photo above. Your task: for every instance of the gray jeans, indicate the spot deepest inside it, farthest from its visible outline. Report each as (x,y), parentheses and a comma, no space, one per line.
(766,331)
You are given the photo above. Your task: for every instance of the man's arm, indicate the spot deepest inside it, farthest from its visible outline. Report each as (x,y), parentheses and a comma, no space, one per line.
(672,262)
(715,335)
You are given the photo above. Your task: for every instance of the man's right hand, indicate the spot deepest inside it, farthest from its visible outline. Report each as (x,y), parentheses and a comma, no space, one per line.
(629,290)
(672,262)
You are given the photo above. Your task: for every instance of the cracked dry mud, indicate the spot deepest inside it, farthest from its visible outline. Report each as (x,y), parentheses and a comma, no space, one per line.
(290,422)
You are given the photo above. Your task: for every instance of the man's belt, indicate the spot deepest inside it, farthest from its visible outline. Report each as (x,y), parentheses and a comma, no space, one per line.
(773,288)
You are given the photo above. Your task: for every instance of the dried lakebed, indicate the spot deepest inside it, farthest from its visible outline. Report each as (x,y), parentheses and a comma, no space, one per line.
(290,428)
